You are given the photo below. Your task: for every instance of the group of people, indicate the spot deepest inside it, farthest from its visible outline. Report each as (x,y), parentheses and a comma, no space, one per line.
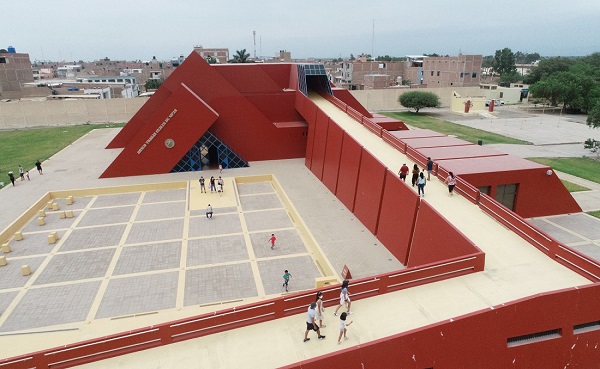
(216,184)
(418,177)
(316,312)
(23,173)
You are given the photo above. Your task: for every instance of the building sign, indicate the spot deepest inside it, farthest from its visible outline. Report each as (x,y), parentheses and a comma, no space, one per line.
(162,125)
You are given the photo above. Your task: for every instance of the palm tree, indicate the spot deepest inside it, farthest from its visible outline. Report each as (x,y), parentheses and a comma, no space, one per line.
(211,60)
(241,56)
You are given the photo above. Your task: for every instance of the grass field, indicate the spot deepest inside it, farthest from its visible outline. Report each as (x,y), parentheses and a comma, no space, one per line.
(28,145)
(581,167)
(595,214)
(442,126)
(573,187)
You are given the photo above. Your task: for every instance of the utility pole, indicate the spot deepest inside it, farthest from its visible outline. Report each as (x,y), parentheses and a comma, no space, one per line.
(254,36)
(373,42)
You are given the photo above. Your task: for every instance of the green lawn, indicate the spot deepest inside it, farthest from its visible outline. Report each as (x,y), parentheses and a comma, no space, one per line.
(27,145)
(595,214)
(573,187)
(580,167)
(442,126)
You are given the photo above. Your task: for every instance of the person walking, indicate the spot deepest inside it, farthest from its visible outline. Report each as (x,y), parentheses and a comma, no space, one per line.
(421,185)
(220,168)
(220,189)
(451,181)
(343,327)
(320,309)
(11,176)
(429,167)
(415,175)
(38,165)
(286,280)
(209,212)
(403,172)
(21,173)
(272,240)
(27,175)
(212,184)
(311,324)
(344,298)
(202,186)
(221,183)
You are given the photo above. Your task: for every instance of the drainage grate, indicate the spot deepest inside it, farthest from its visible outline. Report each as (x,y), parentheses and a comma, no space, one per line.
(534,337)
(586,327)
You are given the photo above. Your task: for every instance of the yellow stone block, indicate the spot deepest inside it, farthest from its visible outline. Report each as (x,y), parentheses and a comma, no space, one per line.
(41,221)
(69,213)
(325,281)
(18,236)
(6,248)
(70,200)
(3,260)
(49,204)
(25,270)
(55,206)
(62,215)
(52,238)
(42,213)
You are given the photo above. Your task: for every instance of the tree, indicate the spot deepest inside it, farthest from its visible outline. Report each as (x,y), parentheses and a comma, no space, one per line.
(241,56)
(507,79)
(548,67)
(593,119)
(153,84)
(211,60)
(504,62)
(418,100)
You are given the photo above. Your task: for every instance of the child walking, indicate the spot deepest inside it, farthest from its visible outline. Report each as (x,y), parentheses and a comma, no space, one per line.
(343,326)
(286,280)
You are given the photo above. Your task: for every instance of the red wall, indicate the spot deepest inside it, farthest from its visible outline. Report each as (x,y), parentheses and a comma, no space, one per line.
(333,152)
(538,194)
(320,142)
(436,239)
(191,117)
(397,216)
(348,174)
(369,191)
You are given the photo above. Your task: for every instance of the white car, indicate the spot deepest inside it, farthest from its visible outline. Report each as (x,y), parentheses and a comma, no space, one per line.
(496,102)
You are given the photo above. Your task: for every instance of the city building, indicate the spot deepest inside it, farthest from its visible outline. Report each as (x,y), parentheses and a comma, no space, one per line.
(15,70)
(221,55)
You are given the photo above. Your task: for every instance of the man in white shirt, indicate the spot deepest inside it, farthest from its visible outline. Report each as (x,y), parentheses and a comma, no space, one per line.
(311,324)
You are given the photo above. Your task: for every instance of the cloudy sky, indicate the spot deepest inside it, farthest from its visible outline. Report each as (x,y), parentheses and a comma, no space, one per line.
(88,30)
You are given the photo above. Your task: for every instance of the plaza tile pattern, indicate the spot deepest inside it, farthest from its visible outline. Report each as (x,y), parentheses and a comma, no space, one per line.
(93,237)
(164,196)
(303,270)
(79,203)
(142,256)
(216,250)
(221,283)
(171,229)
(267,220)
(76,266)
(260,202)
(145,258)
(42,307)
(139,294)
(94,217)
(11,272)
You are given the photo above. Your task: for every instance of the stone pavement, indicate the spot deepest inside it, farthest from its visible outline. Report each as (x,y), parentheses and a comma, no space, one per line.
(149,256)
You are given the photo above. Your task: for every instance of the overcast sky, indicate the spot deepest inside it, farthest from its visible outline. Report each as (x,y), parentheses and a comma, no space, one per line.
(137,30)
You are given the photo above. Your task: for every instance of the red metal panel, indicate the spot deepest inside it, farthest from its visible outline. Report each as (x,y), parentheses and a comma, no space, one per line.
(255,78)
(348,175)
(396,218)
(333,153)
(348,99)
(436,239)
(320,142)
(369,191)
(183,118)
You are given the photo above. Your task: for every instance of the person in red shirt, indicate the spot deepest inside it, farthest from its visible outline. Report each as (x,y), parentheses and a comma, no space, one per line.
(272,240)
(403,172)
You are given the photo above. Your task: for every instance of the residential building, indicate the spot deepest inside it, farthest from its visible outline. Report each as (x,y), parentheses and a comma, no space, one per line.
(221,54)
